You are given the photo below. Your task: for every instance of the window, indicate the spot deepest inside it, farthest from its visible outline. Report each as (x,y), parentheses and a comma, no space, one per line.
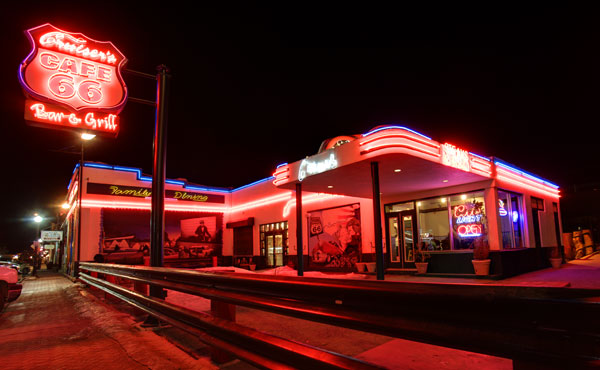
(537,206)
(274,242)
(510,210)
(537,203)
(448,222)
(399,207)
(556,224)
(434,227)
(467,212)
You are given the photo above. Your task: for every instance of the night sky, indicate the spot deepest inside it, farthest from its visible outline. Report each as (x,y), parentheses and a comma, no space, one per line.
(256,86)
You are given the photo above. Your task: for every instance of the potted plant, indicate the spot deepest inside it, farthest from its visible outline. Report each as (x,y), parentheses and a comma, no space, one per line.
(555,257)
(422,259)
(481,253)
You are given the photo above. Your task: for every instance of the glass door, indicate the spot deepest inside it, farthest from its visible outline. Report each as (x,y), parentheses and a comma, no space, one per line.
(278,250)
(408,238)
(270,261)
(394,241)
(401,228)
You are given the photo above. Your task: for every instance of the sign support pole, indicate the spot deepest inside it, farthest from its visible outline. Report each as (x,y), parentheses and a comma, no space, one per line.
(157,221)
(75,269)
(299,243)
(379,262)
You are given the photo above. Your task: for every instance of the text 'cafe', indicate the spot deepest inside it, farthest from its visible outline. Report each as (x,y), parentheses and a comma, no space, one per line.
(434,196)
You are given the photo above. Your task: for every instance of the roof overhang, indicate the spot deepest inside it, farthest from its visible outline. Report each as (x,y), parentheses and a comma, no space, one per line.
(407,162)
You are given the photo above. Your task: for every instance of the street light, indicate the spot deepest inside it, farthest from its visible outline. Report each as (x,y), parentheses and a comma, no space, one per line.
(84,137)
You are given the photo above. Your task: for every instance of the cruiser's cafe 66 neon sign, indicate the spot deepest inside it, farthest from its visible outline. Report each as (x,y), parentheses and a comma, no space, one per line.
(73,81)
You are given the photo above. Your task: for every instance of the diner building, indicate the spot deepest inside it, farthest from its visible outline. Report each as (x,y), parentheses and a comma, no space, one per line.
(382,197)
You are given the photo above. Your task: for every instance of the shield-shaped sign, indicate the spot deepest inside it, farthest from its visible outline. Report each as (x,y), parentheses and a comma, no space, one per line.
(73,71)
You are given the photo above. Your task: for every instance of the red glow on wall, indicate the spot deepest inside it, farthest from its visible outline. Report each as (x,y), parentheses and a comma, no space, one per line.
(73,70)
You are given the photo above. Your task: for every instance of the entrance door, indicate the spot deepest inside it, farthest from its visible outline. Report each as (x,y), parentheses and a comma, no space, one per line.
(274,250)
(401,230)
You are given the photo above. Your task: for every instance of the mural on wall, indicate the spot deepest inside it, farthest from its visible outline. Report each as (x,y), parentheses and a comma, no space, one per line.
(335,238)
(187,235)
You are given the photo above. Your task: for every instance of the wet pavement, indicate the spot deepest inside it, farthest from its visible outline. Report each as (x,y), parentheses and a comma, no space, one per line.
(55,324)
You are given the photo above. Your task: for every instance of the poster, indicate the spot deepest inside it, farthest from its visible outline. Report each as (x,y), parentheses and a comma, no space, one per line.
(335,238)
(187,234)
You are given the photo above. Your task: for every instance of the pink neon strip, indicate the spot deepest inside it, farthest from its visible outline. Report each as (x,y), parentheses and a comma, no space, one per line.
(307,200)
(398,146)
(513,179)
(278,181)
(279,172)
(262,202)
(401,136)
(139,205)
(530,182)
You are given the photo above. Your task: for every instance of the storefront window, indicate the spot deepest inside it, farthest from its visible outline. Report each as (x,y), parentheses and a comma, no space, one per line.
(433,224)
(510,210)
(468,219)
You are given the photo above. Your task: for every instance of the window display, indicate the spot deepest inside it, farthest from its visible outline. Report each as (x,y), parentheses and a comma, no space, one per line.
(434,227)
(468,219)
(511,219)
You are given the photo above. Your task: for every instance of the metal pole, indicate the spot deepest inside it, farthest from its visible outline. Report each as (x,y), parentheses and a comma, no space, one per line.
(377,220)
(80,196)
(299,246)
(157,222)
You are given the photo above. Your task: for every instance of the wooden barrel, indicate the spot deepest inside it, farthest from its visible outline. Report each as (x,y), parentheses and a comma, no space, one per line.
(588,242)
(578,244)
(567,241)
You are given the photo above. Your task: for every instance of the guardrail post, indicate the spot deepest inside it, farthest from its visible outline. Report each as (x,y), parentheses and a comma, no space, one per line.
(225,311)
(142,287)
(107,296)
(93,288)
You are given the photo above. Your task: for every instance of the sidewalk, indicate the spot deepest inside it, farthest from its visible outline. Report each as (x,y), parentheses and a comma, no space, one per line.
(55,324)
(583,273)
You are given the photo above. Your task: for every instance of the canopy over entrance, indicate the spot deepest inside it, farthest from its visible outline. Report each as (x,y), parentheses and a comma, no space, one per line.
(408,162)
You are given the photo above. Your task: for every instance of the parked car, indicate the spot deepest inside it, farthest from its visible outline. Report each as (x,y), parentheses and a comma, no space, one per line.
(22,268)
(10,289)
(10,264)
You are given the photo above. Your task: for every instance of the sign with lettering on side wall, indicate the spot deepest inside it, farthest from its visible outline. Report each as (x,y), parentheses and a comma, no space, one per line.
(141,192)
(72,81)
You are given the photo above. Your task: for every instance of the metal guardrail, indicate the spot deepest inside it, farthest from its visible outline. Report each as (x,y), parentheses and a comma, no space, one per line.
(552,327)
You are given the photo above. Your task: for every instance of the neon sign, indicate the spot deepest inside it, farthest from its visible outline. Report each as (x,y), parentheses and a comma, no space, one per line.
(142,192)
(77,73)
(501,211)
(455,157)
(469,231)
(469,218)
(308,168)
(56,116)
